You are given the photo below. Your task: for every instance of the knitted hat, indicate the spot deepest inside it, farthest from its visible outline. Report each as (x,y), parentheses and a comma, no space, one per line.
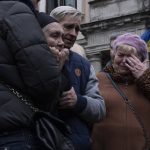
(134,41)
(44,19)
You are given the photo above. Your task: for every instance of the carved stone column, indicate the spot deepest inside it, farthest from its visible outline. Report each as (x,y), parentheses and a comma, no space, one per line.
(96,62)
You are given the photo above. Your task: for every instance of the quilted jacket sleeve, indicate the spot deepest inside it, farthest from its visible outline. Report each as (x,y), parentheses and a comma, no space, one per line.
(37,66)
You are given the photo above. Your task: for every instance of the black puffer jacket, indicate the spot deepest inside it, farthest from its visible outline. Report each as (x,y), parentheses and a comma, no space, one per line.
(26,64)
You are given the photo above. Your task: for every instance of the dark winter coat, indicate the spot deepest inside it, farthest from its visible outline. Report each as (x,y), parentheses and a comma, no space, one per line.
(26,64)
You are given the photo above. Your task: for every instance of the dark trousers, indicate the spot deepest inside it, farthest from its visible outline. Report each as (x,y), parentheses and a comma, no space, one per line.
(19,140)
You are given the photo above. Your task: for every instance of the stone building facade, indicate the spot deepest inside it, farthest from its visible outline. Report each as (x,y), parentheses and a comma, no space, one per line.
(108,17)
(104,18)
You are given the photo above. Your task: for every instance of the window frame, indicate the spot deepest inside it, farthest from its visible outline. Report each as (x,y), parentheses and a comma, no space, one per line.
(65,3)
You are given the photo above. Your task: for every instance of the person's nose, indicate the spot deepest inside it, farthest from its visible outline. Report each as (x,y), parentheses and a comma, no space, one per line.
(60,43)
(73,32)
(124,59)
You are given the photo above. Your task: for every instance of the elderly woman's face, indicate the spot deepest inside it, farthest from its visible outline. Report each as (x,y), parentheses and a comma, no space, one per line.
(120,57)
(54,35)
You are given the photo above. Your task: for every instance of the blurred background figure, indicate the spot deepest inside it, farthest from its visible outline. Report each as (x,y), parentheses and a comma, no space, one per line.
(112,38)
(78,49)
(146,37)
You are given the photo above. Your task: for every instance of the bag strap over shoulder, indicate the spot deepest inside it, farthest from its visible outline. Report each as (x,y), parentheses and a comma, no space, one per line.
(50,130)
(22,98)
(125,98)
(131,107)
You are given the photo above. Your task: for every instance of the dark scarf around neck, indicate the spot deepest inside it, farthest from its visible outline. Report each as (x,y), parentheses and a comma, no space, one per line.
(129,78)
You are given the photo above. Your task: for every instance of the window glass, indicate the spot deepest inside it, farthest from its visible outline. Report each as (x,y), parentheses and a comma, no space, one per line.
(71,3)
(50,5)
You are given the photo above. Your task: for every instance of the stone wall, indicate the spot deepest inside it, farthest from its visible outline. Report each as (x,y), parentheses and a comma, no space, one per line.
(108,17)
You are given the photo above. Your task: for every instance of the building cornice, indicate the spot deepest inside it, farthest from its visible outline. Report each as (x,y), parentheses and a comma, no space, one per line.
(115,22)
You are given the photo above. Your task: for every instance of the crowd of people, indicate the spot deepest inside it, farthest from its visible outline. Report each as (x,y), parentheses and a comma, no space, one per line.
(104,111)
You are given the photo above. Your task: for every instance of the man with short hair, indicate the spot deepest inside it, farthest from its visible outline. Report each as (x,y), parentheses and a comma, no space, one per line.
(82,104)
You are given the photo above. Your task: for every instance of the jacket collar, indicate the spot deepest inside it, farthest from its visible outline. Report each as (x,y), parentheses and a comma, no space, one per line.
(127,79)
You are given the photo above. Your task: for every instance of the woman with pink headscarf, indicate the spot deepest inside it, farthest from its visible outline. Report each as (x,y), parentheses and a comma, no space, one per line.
(125,87)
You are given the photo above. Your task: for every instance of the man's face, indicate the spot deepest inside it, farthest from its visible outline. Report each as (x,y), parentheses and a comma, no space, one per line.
(71,26)
(54,35)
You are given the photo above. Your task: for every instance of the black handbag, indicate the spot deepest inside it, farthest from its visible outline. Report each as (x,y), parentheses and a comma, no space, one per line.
(52,132)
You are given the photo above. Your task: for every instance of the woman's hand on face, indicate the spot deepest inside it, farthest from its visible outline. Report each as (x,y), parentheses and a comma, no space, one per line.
(136,66)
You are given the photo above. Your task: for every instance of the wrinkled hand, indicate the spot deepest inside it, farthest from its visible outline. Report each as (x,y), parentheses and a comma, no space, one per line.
(56,52)
(136,66)
(68,99)
(61,56)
